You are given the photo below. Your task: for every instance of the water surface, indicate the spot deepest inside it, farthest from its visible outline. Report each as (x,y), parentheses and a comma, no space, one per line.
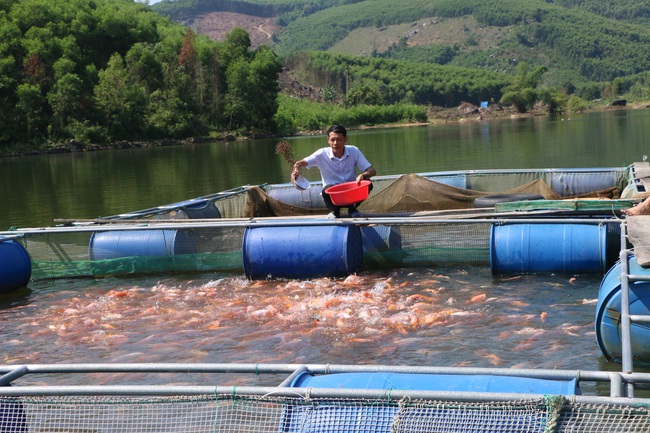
(461,316)
(42,188)
(444,316)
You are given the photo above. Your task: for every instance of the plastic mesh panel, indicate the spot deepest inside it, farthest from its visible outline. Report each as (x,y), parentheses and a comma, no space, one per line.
(591,418)
(427,245)
(494,417)
(241,414)
(62,255)
(145,251)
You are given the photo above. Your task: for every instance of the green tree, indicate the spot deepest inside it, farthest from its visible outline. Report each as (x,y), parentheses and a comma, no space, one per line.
(237,44)
(576,104)
(144,68)
(8,121)
(239,98)
(328,93)
(264,70)
(65,98)
(169,115)
(522,91)
(555,101)
(30,102)
(121,103)
(210,83)
(368,93)
(252,86)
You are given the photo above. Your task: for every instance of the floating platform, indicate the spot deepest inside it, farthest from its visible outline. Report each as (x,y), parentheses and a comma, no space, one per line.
(426,219)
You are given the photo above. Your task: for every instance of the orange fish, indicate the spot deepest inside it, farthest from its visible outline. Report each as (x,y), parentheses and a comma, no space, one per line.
(420,297)
(476,299)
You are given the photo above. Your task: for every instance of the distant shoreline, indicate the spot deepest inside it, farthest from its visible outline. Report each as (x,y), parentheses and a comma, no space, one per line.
(437,116)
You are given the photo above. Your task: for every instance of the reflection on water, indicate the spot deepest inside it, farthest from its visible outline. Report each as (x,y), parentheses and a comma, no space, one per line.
(445,317)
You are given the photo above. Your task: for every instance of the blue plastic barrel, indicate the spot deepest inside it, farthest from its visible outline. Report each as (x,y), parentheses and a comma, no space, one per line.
(383,418)
(15,266)
(193,209)
(379,238)
(568,183)
(302,252)
(561,248)
(202,210)
(12,417)
(457,180)
(438,382)
(144,243)
(608,314)
(310,198)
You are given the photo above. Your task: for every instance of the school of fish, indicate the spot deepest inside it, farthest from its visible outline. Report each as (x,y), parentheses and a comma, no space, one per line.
(454,317)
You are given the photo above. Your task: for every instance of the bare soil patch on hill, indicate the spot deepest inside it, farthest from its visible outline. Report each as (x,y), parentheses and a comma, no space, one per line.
(216,25)
(465,32)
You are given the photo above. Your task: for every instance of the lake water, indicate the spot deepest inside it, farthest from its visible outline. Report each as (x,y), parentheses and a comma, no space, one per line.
(423,316)
(86,185)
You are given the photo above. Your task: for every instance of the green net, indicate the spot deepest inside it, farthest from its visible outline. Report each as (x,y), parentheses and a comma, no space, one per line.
(210,249)
(168,242)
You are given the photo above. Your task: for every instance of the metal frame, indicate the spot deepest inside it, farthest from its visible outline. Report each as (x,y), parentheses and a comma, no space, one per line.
(301,221)
(242,189)
(11,373)
(626,318)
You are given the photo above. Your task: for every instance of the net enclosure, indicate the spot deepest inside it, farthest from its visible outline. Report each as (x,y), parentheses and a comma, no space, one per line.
(413,220)
(294,409)
(242,414)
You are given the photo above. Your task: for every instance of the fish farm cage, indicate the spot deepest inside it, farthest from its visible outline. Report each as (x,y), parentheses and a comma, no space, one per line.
(275,230)
(210,234)
(314,398)
(318,398)
(566,222)
(309,248)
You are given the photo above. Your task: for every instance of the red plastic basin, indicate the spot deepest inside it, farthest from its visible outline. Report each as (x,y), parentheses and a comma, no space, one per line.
(347,193)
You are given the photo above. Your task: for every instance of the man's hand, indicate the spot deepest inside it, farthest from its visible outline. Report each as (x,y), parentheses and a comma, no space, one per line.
(296,168)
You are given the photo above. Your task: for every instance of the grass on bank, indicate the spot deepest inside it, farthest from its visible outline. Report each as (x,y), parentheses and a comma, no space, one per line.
(301,115)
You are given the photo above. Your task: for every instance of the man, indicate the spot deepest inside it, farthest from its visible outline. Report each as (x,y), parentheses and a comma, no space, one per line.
(337,164)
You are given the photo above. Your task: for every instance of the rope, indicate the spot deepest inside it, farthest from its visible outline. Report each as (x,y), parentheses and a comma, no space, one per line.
(403,404)
(554,405)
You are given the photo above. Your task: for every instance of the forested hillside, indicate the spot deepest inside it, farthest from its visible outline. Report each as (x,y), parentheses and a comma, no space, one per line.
(382,81)
(598,48)
(584,45)
(634,11)
(108,70)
